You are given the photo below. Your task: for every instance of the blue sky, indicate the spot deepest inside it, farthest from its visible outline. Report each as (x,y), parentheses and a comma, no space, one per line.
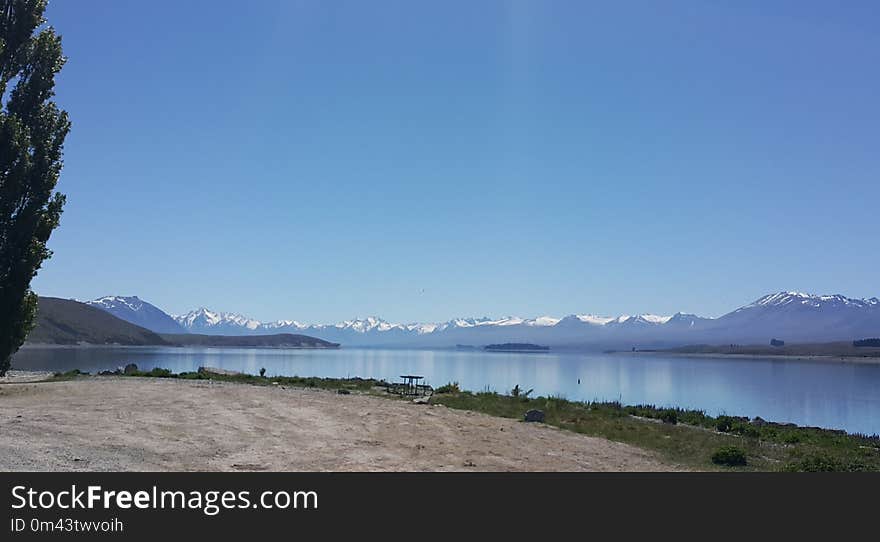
(422,161)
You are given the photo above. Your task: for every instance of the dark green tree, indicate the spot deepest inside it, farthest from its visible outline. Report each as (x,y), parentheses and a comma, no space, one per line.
(32,132)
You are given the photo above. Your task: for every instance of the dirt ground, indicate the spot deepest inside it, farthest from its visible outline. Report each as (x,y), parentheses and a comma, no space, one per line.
(145,424)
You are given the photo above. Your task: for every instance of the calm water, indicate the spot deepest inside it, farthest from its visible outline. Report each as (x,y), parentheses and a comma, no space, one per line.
(835,395)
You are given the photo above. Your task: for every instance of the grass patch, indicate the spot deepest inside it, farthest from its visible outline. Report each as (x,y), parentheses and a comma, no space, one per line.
(351,384)
(823,462)
(452,387)
(69,375)
(695,437)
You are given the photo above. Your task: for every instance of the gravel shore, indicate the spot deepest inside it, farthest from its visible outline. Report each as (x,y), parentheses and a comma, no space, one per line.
(145,424)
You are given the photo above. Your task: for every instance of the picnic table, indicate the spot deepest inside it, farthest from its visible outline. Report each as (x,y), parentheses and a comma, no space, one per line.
(410,385)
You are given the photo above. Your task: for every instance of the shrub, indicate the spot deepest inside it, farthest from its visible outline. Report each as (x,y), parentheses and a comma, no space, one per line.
(730,456)
(694,417)
(262,371)
(669,416)
(452,387)
(724,424)
(518,392)
(791,438)
(823,463)
(745,429)
(69,374)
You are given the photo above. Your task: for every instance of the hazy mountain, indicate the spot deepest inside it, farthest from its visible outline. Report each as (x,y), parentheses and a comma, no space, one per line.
(799,317)
(791,316)
(138,312)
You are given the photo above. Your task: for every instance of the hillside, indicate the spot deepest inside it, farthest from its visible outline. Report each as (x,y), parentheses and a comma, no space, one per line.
(62,321)
(281,340)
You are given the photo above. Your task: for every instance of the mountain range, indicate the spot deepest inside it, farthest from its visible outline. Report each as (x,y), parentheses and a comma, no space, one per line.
(790,316)
(69,322)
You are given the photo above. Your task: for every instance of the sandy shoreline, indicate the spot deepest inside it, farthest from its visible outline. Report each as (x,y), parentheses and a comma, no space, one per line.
(143,424)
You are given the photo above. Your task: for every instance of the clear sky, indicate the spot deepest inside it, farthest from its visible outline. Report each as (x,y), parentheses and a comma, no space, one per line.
(426,160)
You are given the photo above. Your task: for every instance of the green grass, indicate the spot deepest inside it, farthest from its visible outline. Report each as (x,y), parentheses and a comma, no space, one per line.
(693,440)
(351,384)
(687,437)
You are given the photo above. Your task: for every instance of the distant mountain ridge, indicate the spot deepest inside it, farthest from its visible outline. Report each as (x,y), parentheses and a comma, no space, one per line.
(138,312)
(792,316)
(68,322)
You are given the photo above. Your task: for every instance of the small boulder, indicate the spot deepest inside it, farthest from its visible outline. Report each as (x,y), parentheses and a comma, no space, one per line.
(534,416)
(130,369)
(343,391)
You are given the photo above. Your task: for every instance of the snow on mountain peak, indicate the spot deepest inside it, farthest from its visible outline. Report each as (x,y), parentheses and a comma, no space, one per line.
(543,321)
(655,318)
(644,319)
(593,319)
(370,323)
(781,299)
(110,301)
(203,317)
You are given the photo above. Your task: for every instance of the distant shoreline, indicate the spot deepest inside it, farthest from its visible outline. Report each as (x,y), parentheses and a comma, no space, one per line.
(826,358)
(27,346)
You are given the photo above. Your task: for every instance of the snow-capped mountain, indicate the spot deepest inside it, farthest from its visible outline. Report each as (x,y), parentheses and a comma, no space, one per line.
(791,316)
(801,317)
(138,312)
(206,322)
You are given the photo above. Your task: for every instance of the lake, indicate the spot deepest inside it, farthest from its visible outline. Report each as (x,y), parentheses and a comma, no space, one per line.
(833,395)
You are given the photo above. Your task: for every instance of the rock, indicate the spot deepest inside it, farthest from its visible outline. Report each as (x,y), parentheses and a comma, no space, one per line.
(535,416)
(130,369)
(343,391)
(758,421)
(422,400)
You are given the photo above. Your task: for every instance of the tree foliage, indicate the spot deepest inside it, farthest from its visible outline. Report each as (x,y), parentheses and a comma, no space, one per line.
(32,132)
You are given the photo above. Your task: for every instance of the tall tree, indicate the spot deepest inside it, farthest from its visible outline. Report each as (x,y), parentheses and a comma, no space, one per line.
(32,132)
